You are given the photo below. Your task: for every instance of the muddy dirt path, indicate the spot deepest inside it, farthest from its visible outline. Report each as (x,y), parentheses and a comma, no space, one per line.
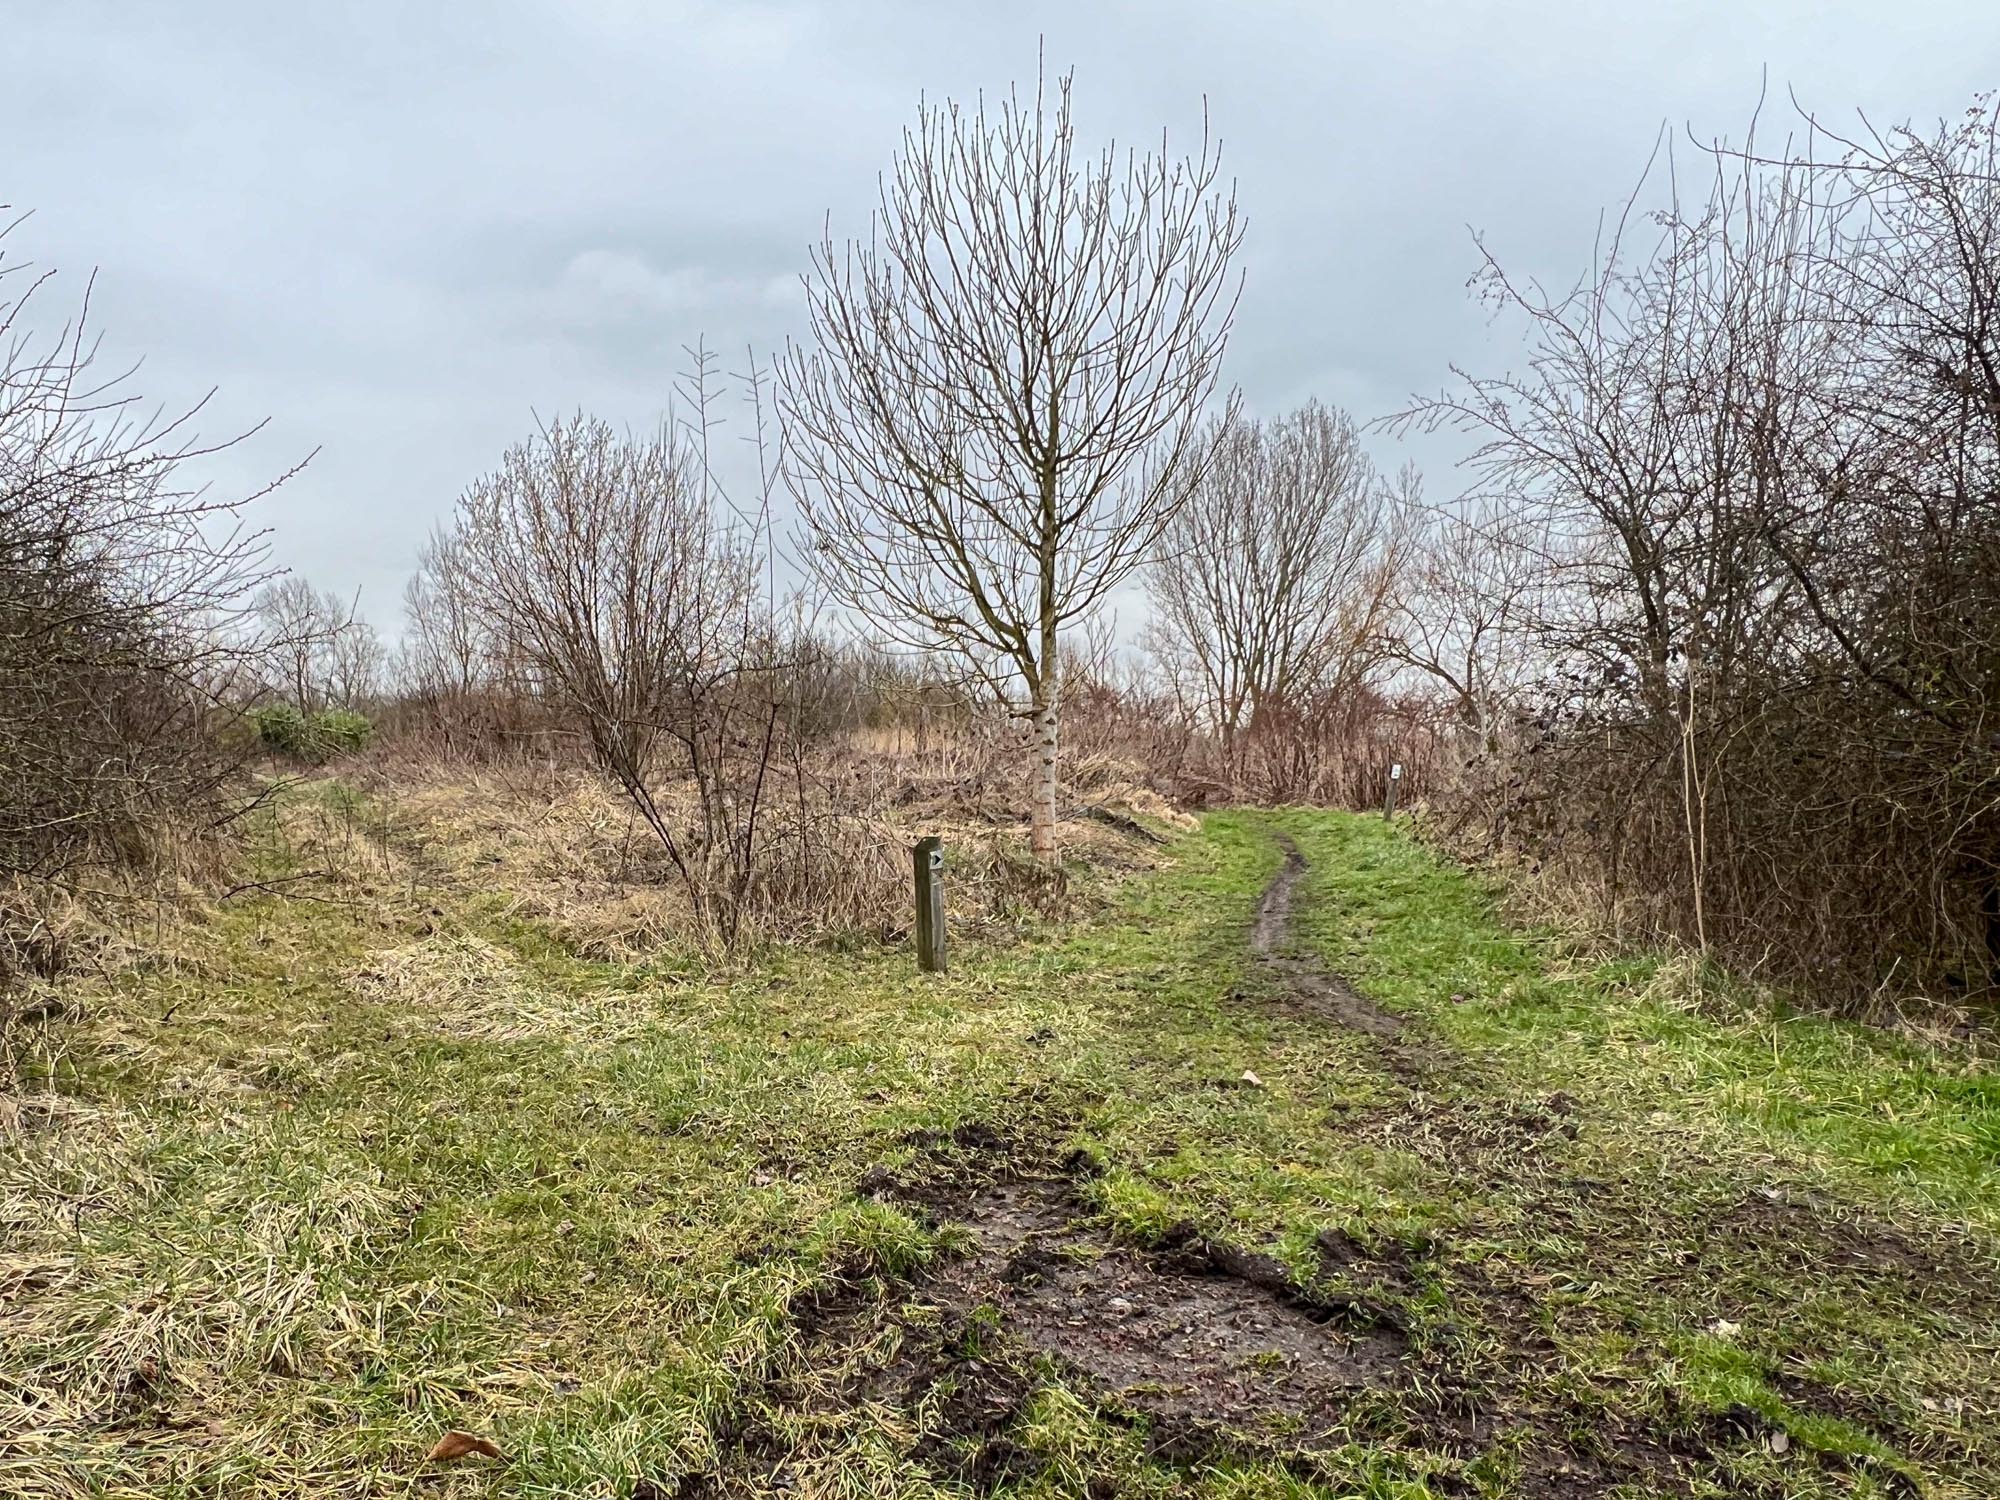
(1188,1329)
(1298,981)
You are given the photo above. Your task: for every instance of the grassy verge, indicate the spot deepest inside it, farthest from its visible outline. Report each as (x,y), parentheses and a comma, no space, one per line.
(1734,1214)
(349,1172)
(1913,1125)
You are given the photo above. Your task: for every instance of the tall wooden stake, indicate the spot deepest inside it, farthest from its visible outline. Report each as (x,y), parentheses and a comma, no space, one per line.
(929,860)
(1389,801)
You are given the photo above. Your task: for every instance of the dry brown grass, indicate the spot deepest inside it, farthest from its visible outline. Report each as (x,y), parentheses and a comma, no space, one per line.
(463,986)
(301,1141)
(382,1163)
(569,854)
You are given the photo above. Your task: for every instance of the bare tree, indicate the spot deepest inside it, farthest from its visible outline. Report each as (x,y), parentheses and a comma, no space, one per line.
(292,630)
(599,568)
(323,653)
(447,655)
(1272,585)
(1002,408)
(122,582)
(356,664)
(1469,616)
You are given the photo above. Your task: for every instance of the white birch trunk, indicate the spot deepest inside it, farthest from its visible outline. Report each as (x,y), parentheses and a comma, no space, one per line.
(1043,836)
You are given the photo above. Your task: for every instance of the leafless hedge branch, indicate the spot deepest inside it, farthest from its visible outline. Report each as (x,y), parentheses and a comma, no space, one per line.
(1746,502)
(122,587)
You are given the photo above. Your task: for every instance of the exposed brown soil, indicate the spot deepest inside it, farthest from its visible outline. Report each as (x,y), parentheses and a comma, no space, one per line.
(1192,1331)
(1299,980)
(1208,1345)
(1802,1232)
(1290,978)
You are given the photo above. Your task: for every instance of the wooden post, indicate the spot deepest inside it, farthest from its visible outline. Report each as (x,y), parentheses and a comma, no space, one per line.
(929,860)
(1389,801)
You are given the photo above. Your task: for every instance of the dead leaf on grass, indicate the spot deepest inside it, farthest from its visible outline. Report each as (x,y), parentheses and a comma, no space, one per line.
(456,1444)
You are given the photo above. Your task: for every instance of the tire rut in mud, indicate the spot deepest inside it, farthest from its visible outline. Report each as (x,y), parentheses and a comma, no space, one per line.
(1518,1153)
(1294,979)
(1206,1346)
(1212,1349)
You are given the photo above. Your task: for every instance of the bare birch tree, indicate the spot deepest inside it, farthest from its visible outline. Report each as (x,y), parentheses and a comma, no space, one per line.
(1004,403)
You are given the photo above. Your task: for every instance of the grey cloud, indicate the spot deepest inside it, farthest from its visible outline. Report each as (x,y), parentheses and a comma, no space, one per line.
(397,230)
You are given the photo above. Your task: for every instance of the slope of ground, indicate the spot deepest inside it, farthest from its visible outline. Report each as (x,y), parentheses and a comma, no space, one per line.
(1294,1175)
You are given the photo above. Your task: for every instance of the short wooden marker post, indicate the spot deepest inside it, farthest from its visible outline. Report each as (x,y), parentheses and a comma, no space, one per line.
(929,860)
(1389,801)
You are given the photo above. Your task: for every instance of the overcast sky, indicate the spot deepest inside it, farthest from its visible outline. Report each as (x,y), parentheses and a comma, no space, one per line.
(397,230)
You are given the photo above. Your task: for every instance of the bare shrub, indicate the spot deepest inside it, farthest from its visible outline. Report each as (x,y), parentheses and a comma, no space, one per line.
(1752,484)
(121,580)
(599,565)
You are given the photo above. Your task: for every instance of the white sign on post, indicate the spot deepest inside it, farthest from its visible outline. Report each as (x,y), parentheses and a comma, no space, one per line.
(1396,771)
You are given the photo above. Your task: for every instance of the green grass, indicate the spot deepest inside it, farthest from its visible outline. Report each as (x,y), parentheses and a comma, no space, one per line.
(1914,1126)
(344,1174)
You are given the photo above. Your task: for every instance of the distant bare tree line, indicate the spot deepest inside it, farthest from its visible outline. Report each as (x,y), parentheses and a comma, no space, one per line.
(318,651)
